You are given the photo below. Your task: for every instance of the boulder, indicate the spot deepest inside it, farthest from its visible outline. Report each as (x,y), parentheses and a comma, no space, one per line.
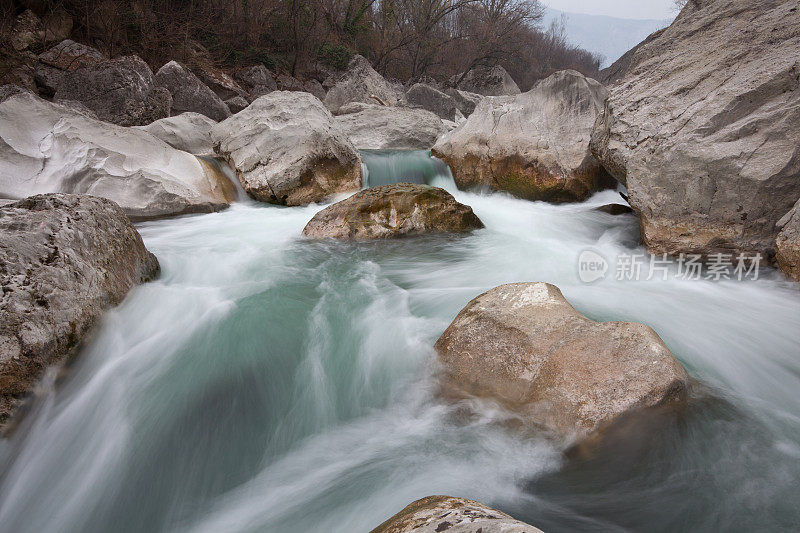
(615,209)
(289,83)
(69,55)
(525,346)
(488,81)
(787,245)
(121,91)
(456,515)
(433,100)
(390,211)
(619,69)
(466,102)
(315,87)
(222,84)
(27,30)
(375,127)
(534,145)
(361,83)
(703,128)
(190,132)
(287,149)
(236,104)
(258,78)
(189,94)
(48,148)
(65,258)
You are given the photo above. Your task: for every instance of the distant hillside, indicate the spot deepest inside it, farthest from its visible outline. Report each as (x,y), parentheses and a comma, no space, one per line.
(609,36)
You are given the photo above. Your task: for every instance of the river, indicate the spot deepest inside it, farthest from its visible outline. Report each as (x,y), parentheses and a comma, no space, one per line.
(270,383)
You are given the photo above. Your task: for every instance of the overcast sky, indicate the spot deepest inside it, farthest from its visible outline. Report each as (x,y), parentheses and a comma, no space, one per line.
(629,9)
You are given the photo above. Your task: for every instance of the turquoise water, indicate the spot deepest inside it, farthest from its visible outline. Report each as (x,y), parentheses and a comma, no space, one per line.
(269,383)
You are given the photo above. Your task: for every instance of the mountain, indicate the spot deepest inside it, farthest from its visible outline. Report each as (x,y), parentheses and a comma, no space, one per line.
(609,36)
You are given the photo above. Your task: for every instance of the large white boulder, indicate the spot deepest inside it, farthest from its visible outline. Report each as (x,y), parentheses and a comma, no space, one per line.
(47,148)
(534,145)
(377,127)
(703,128)
(287,149)
(190,132)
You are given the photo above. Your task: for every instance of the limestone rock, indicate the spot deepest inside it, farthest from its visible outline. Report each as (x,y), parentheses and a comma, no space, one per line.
(433,100)
(703,129)
(488,81)
(376,127)
(389,211)
(121,91)
(525,346)
(69,55)
(466,102)
(315,87)
(256,77)
(189,94)
(287,149)
(435,514)
(787,244)
(236,104)
(47,148)
(65,258)
(361,83)
(219,81)
(534,145)
(190,132)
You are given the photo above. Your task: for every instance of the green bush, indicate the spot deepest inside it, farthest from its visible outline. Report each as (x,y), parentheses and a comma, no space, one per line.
(334,55)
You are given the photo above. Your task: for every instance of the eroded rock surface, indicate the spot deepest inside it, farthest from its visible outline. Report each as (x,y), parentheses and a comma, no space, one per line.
(287,149)
(525,346)
(433,100)
(47,148)
(534,145)
(64,259)
(389,211)
(190,132)
(436,514)
(703,128)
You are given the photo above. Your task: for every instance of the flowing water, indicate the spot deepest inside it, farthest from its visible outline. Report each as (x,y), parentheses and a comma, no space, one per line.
(269,383)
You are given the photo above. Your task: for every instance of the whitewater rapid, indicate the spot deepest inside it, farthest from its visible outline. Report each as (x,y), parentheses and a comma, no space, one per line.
(269,383)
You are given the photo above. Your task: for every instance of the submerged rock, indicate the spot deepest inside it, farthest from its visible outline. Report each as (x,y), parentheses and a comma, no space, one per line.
(534,145)
(376,127)
(488,81)
(121,91)
(615,209)
(189,94)
(65,258)
(190,132)
(361,83)
(703,128)
(435,514)
(47,148)
(287,149)
(525,346)
(389,211)
(787,245)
